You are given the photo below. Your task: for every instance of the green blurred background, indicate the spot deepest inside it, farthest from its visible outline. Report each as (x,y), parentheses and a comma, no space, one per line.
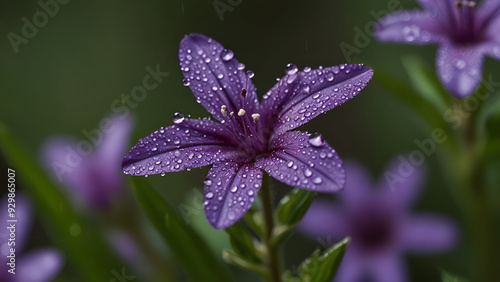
(65,79)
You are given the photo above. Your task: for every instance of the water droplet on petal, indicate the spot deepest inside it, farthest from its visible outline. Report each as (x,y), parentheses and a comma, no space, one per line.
(185,82)
(316,140)
(307,172)
(317,180)
(234,189)
(250,74)
(207,181)
(177,117)
(291,69)
(209,195)
(226,55)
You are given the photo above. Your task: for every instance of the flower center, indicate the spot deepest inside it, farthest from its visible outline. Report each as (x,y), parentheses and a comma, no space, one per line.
(371,230)
(464,22)
(246,128)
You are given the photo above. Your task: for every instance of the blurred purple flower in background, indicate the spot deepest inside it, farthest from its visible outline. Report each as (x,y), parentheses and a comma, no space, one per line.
(380,225)
(35,266)
(93,180)
(250,137)
(464,32)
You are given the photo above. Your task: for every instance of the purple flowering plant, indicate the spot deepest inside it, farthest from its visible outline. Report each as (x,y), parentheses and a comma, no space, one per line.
(378,219)
(249,137)
(464,30)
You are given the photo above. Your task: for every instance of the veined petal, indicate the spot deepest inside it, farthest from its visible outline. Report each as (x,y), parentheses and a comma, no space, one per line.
(305,163)
(190,144)
(215,77)
(428,234)
(230,190)
(303,96)
(412,27)
(459,68)
(40,265)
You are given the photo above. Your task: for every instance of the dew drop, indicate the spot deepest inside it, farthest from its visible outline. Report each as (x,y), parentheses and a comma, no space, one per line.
(209,195)
(291,69)
(177,140)
(207,181)
(177,117)
(307,172)
(316,140)
(185,82)
(234,189)
(226,55)
(250,74)
(317,180)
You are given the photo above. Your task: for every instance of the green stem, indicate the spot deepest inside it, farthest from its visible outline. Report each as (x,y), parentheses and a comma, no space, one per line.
(473,190)
(273,257)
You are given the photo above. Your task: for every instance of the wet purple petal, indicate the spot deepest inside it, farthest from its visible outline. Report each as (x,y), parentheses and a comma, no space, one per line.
(230,190)
(428,234)
(190,144)
(214,76)
(40,265)
(319,213)
(304,161)
(312,93)
(459,68)
(415,27)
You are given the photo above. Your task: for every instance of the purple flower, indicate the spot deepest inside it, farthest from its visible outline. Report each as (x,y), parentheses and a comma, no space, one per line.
(464,32)
(249,137)
(93,175)
(380,225)
(35,266)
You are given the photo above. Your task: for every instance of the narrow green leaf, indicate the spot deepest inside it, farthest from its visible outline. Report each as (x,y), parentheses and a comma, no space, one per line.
(188,247)
(292,207)
(242,242)
(86,250)
(426,83)
(323,267)
(447,277)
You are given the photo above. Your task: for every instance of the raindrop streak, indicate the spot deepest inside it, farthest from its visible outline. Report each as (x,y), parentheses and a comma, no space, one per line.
(226,55)
(316,140)
(177,117)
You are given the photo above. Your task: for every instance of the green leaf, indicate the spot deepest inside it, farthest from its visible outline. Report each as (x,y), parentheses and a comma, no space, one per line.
(188,247)
(86,250)
(426,83)
(290,211)
(323,267)
(292,207)
(447,277)
(242,242)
